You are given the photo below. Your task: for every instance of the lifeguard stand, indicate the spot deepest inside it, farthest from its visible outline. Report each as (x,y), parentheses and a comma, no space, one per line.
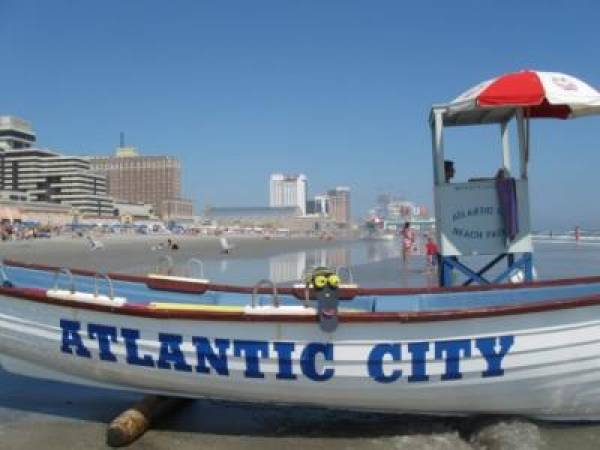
(469,217)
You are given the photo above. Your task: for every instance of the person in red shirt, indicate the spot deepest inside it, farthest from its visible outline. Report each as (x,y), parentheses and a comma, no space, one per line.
(431,250)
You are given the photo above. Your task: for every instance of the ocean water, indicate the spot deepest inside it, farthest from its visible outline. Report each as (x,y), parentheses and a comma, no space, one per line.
(377,263)
(50,415)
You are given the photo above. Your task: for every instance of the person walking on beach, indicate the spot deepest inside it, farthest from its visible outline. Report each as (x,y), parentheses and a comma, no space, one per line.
(408,238)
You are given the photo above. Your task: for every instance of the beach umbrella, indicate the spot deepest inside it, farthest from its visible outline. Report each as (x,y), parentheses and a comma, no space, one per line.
(539,94)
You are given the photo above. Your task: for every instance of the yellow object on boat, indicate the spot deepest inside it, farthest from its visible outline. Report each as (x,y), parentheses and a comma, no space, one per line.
(293,310)
(196,307)
(320,281)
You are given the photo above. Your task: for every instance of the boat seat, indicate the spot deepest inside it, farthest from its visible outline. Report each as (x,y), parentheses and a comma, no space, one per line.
(158,276)
(85,297)
(195,307)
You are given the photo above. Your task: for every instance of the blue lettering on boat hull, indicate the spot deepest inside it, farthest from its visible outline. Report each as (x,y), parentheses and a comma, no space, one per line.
(316,360)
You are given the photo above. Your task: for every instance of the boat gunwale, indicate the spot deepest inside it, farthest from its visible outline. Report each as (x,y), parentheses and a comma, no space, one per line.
(39,295)
(282,290)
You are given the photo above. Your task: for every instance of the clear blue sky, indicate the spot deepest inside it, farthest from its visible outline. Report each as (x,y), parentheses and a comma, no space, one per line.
(339,90)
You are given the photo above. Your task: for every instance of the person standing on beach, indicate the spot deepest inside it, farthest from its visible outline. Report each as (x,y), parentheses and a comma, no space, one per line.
(431,250)
(408,238)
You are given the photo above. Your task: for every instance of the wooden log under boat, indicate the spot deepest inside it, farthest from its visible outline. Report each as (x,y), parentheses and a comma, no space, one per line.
(132,423)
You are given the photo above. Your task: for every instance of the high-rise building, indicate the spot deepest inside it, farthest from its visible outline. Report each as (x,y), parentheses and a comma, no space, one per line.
(322,204)
(145,179)
(319,205)
(339,204)
(47,176)
(311,207)
(288,190)
(50,177)
(15,133)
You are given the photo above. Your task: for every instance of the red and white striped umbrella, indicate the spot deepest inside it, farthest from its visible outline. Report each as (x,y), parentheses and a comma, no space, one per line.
(540,94)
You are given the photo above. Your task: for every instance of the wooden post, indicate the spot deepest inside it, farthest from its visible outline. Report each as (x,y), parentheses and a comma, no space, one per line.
(135,421)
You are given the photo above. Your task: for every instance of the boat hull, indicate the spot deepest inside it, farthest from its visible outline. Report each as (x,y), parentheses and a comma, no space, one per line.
(534,364)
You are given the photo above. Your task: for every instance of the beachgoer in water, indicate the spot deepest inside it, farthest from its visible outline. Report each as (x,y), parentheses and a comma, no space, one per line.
(408,238)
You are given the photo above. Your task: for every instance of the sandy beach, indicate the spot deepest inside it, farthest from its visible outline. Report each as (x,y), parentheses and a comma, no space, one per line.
(139,253)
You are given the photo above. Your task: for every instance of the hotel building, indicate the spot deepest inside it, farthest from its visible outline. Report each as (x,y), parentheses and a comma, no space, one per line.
(47,176)
(145,179)
(288,190)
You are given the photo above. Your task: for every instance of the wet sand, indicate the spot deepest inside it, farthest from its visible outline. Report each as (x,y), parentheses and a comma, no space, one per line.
(135,254)
(51,415)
